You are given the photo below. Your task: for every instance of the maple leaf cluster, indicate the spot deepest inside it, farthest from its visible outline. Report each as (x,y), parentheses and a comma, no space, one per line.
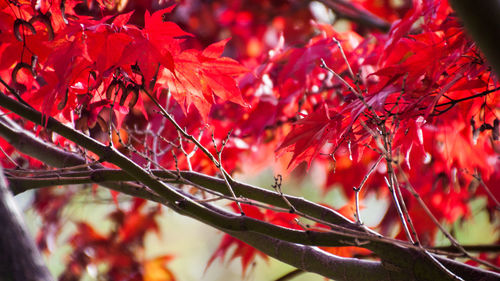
(120,249)
(294,88)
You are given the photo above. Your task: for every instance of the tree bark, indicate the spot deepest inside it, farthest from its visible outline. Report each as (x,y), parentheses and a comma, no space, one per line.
(400,261)
(20,259)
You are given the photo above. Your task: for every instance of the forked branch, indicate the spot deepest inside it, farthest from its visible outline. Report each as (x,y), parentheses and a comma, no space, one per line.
(276,241)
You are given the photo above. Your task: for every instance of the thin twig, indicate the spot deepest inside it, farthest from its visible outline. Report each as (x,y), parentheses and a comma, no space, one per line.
(277,186)
(181,148)
(188,136)
(404,209)
(224,176)
(290,275)
(395,192)
(385,147)
(182,131)
(209,200)
(454,102)
(77,167)
(358,94)
(304,227)
(356,200)
(155,140)
(9,158)
(358,189)
(351,88)
(345,59)
(478,177)
(14,92)
(426,209)
(132,149)
(398,208)
(354,78)
(370,172)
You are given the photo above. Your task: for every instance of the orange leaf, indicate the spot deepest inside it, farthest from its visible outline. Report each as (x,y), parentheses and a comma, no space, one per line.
(156,269)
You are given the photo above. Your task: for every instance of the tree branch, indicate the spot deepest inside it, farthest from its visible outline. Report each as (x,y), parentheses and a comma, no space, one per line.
(482,22)
(27,143)
(405,259)
(21,184)
(345,9)
(19,258)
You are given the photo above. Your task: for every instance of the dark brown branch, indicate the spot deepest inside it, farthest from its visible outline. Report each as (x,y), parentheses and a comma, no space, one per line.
(14,92)
(482,22)
(290,275)
(408,261)
(347,10)
(450,104)
(20,184)
(19,256)
(454,102)
(470,248)
(27,143)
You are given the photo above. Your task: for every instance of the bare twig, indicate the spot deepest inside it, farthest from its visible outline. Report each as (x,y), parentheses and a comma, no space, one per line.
(9,158)
(188,136)
(358,189)
(454,102)
(290,275)
(156,139)
(14,92)
(181,148)
(478,177)
(353,77)
(398,208)
(356,200)
(426,209)
(277,186)
(249,230)
(357,93)
(219,166)
(345,59)
(181,130)
(351,88)
(384,146)
(131,148)
(365,178)
(404,209)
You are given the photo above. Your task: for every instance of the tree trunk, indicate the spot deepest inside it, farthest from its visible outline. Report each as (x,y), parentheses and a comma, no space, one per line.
(19,256)
(482,22)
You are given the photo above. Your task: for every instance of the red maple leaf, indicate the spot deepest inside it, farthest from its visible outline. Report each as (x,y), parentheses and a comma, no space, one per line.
(311,133)
(198,76)
(154,45)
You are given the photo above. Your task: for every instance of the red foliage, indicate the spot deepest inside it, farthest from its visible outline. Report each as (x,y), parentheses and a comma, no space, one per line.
(244,251)
(120,248)
(96,69)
